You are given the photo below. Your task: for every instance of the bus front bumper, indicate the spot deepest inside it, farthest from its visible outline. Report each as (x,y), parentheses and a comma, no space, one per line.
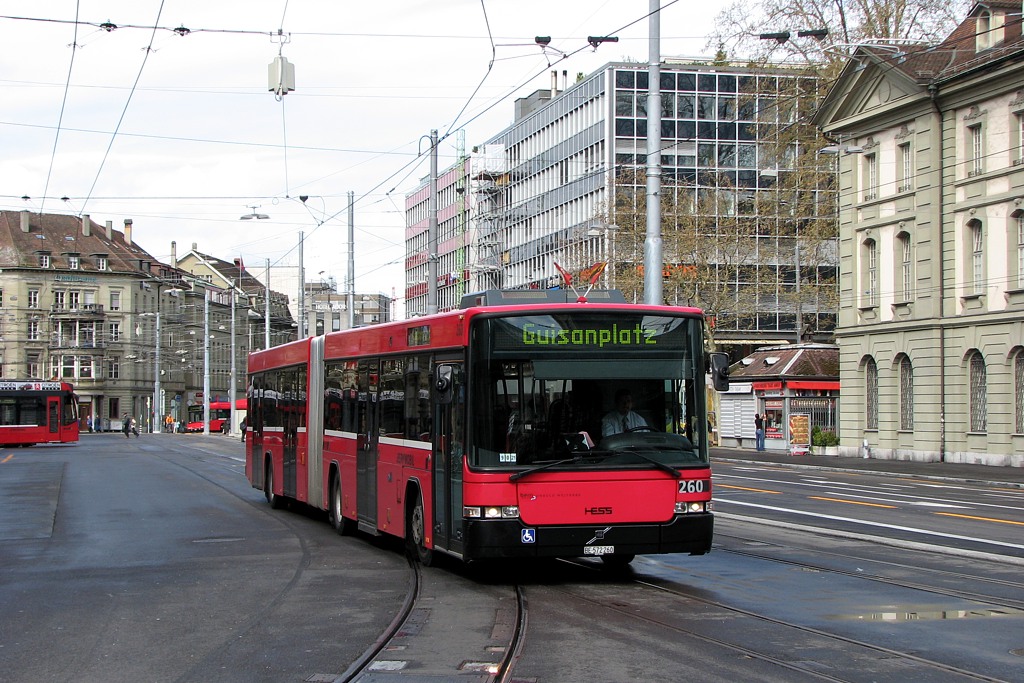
(497,538)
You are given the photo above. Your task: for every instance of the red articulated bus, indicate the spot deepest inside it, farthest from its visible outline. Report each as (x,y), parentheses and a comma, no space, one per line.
(220,414)
(34,412)
(493,431)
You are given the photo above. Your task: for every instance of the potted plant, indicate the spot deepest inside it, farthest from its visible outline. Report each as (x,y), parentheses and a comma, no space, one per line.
(824,442)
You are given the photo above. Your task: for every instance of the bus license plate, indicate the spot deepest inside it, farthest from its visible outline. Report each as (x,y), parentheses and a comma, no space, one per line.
(599,550)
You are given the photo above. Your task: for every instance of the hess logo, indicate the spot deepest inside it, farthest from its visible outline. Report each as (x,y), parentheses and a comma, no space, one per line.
(597,511)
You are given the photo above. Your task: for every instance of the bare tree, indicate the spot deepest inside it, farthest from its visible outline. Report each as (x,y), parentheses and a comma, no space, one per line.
(739,27)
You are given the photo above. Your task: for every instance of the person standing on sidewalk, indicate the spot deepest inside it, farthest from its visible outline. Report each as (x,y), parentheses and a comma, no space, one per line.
(758,432)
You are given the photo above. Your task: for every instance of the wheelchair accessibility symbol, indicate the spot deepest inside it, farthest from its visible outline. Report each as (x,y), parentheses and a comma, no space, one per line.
(528,536)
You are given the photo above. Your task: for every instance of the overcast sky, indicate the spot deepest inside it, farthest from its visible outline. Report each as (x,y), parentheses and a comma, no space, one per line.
(184,138)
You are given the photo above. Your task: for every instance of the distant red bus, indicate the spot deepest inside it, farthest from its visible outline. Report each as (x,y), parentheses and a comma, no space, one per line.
(34,412)
(486,432)
(220,413)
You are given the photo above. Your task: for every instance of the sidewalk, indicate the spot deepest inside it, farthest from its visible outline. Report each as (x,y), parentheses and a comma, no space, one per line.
(1012,477)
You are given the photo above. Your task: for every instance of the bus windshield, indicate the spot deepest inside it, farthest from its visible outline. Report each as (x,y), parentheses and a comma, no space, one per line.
(592,390)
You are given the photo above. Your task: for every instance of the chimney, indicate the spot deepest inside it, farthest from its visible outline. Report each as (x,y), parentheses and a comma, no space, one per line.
(195,246)
(174,253)
(86,225)
(110,231)
(554,84)
(565,79)
(24,221)
(128,231)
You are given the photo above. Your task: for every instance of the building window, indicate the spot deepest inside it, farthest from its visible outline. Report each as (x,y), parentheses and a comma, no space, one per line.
(44,260)
(976,160)
(114,408)
(73,262)
(870,273)
(33,330)
(906,394)
(979,393)
(115,332)
(85,369)
(1018,392)
(1018,157)
(74,298)
(977,261)
(67,367)
(906,167)
(871,393)
(101,263)
(33,298)
(113,367)
(58,300)
(115,301)
(34,367)
(906,275)
(1019,222)
(870,177)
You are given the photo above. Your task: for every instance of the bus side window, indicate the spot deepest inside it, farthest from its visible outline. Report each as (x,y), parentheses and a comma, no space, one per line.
(70,411)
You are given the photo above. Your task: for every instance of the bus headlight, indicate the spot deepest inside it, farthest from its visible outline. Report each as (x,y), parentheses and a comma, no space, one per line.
(683,508)
(491,512)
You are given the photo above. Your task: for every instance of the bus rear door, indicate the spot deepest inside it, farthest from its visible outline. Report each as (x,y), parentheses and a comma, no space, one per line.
(366,445)
(53,416)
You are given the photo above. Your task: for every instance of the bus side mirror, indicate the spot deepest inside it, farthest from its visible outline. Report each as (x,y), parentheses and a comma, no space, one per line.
(719,364)
(443,384)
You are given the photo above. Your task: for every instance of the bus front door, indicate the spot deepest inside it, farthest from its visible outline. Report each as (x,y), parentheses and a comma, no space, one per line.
(449,451)
(368,432)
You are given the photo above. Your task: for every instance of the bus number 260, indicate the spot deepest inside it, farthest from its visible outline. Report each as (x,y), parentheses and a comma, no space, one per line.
(695,486)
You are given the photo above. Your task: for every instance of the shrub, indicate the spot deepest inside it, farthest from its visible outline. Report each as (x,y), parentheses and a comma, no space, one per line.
(822,437)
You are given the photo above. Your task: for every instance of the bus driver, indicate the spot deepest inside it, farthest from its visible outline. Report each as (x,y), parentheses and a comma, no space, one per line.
(623,418)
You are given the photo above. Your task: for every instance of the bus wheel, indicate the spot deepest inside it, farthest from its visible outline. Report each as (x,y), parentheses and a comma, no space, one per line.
(415,533)
(617,561)
(343,526)
(268,489)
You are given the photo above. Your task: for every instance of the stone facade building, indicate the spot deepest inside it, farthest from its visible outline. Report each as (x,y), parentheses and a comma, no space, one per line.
(931,317)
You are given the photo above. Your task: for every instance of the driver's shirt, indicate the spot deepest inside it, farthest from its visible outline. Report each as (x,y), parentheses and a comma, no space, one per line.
(616,423)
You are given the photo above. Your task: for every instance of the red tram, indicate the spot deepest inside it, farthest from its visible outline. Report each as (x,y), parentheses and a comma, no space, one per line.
(34,412)
(492,431)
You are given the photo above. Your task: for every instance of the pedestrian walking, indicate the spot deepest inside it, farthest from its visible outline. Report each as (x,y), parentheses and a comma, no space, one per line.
(134,426)
(126,425)
(758,432)
(242,427)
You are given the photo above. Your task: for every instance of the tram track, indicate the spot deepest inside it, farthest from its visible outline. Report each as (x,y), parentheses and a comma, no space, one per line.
(860,573)
(397,652)
(890,663)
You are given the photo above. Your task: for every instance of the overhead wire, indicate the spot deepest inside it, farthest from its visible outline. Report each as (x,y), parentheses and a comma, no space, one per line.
(63,104)
(124,111)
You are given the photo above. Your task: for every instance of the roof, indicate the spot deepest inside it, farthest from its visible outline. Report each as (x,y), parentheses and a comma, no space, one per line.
(794,361)
(919,69)
(233,272)
(63,236)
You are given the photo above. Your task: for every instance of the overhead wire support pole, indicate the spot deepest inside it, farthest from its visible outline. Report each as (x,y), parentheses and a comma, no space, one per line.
(232,426)
(158,406)
(350,286)
(652,243)
(432,229)
(206,362)
(266,311)
(302,289)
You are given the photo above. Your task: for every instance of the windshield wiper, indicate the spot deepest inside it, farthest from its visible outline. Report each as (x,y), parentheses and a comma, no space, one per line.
(662,466)
(554,463)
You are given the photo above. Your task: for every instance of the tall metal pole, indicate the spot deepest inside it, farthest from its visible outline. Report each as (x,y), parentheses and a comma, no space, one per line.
(158,407)
(652,244)
(350,285)
(432,228)
(206,362)
(266,312)
(232,426)
(302,289)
